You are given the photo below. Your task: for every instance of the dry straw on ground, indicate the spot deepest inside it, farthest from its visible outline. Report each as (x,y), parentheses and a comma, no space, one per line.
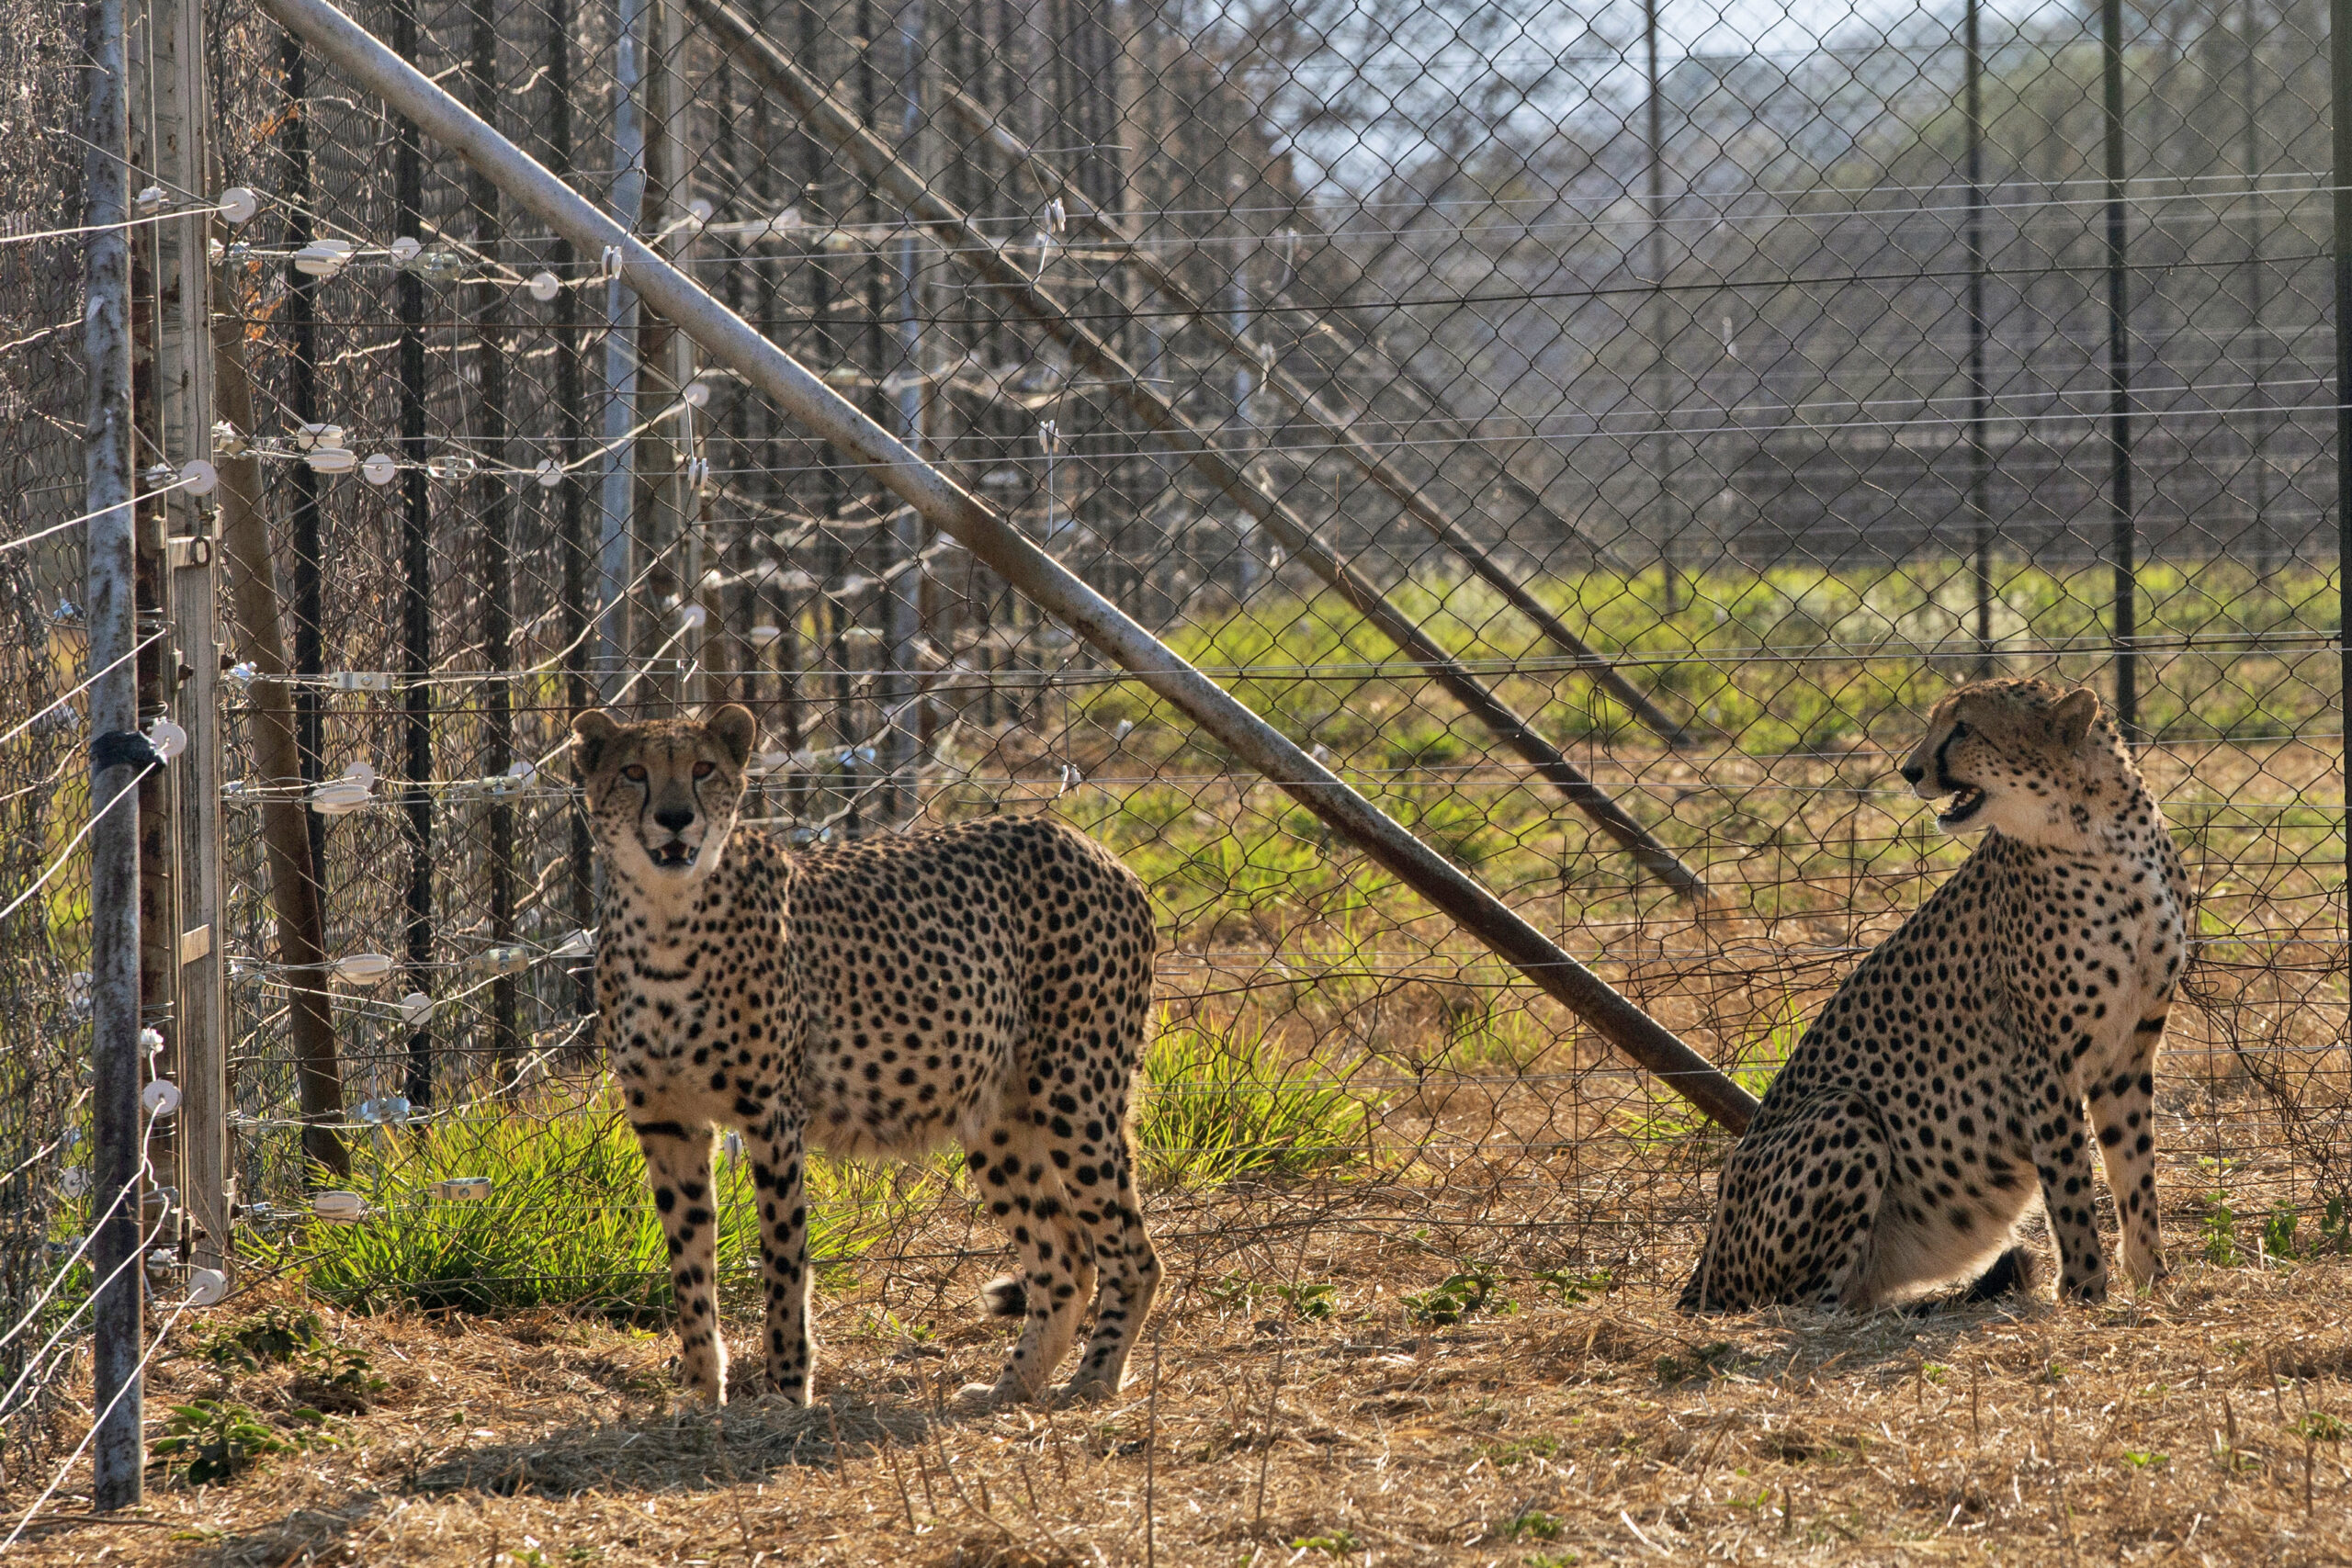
(2200,1424)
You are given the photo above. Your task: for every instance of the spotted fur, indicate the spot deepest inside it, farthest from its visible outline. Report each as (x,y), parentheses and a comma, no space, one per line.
(1942,1090)
(989,983)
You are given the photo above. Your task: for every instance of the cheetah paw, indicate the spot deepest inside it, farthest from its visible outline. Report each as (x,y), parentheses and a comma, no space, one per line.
(979,1397)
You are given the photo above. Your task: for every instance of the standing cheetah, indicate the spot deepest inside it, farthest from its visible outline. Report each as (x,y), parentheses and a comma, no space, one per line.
(990,982)
(1942,1089)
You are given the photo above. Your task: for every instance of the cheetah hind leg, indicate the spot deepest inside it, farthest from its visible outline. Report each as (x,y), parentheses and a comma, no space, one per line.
(1113,1219)
(1819,1172)
(1024,1194)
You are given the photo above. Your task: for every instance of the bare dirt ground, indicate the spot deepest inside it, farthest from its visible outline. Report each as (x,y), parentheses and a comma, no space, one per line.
(2202,1423)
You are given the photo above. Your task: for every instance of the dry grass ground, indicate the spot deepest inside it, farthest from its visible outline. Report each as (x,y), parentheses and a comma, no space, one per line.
(2202,1425)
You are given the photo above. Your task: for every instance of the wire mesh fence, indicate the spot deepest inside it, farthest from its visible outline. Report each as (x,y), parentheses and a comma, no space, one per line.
(1596,433)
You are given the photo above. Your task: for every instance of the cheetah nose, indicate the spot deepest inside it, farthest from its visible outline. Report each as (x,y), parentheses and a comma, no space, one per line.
(677,819)
(1913,773)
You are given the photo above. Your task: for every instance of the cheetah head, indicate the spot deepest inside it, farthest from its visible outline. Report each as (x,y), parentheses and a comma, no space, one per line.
(2030,757)
(662,795)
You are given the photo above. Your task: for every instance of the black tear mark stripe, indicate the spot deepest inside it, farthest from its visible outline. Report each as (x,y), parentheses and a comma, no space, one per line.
(2150,1025)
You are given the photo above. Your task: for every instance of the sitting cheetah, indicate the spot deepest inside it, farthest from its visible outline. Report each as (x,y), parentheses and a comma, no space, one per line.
(1942,1088)
(990,982)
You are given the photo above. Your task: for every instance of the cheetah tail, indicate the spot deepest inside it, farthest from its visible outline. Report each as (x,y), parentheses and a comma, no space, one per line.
(1005,1296)
(2014,1272)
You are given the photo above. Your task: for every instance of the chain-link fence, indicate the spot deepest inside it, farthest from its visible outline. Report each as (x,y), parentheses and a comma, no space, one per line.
(1598,435)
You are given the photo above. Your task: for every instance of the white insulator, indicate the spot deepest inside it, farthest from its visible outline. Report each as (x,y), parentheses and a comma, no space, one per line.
(384,1110)
(784,222)
(765,635)
(460,1189)
(339,1208)
(696,395)
(692,617)
(378,468)
(448,466)
(339,797)
(207,1287)
(150,201)
(309,436)
(550,473)
(406,249)
(363,968)
(363,681)
(415,1008)
(168,739)
(73,1181)
(579,945)
(322,258)
(200,478)
(238,206)
(228,440)
(161,1096)
(149,1041)
(545,285)
(700,209)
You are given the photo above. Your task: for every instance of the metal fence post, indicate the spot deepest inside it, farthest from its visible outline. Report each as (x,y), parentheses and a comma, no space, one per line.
(616,493)
(114,769)
(2123,546)
(2339,61)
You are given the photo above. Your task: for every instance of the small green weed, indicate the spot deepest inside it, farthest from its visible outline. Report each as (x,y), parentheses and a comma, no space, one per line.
(1459,1296)
(1518,1450)
(2220,1230)
(1533,1525)
(1311,1300)
(1573,1287)
(1333,1542)
(2146,1459)
(2319,1426)
(263,1340)
(207,1440)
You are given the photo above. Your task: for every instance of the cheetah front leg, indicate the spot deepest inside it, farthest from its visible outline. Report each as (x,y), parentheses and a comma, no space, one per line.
(2123,1110)
(2054,1120)
(677,1166)
(778,1151)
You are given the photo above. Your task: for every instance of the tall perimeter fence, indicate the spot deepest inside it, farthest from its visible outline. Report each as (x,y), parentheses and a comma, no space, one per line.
(1584,439)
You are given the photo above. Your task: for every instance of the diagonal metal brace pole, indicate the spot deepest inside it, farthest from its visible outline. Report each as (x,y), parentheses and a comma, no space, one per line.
(969,246)
(1337,424)
(735,343)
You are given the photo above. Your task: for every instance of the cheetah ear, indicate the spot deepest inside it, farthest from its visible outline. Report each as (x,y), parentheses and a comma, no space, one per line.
(734,727)
(592,731)
(2073,716)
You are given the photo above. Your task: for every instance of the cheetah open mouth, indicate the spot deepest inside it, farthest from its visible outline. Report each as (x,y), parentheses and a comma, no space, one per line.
(1965,805)
(676,855)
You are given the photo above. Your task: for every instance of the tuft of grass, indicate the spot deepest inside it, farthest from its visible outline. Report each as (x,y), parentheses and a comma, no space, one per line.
(1220,1105)
(568,1221)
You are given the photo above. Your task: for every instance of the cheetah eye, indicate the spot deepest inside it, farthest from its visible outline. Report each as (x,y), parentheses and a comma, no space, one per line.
(634,773)
(1959,731)
(703,769)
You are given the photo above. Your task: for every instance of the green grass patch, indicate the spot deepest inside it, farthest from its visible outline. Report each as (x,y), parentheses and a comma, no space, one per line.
(1221,1104)
(568,1221)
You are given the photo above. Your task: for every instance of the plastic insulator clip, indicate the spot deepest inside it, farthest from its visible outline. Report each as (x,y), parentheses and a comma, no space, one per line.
(120,747)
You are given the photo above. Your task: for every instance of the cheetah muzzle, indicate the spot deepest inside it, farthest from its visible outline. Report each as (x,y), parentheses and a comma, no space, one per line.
(1942,1091)
(988,984)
